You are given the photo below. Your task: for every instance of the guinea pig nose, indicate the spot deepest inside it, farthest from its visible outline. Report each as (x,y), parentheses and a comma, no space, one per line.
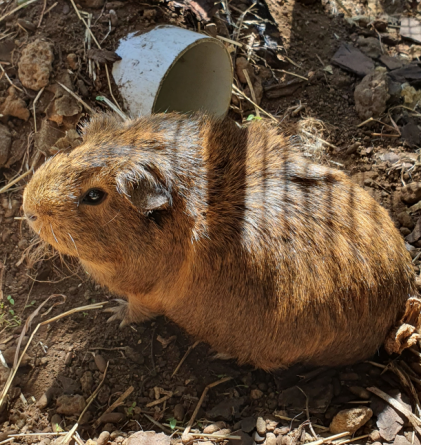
(31,217)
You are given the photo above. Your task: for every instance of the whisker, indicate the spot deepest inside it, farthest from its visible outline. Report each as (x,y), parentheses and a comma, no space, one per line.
(52,231)
(39,231)
(112,219)
(74,243)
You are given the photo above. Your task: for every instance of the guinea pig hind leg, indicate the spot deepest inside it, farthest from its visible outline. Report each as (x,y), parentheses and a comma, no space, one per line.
(127,313)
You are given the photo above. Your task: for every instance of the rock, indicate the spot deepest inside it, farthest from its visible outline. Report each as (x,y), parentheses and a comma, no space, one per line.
(415,235)
(113,17)
(404,231)
(245,439)
(14,106)
(179,412)
(389,422)
(73,61)
(104,394)
(9,356)
(371,95)
(411,134)
(148,438)
(375,436)
(410,29)
(63,106)
(5,143)
(94,4)
(391,63)
(411,193)
(352,59)
(214,427)
(69,385)
(370,46)
(27,25)
(87,382)
(47,136)
(270,439)
(261,426)
(35,65)
(360,392)
(82,88)
(408,73)
(112,418)
(248,424)
(70,405)
(226,409)
(103,438)
(100,361)
(47,397)
(405,220)
(350,420)
(258,438)
(56,423)
(401,440)
(256,394)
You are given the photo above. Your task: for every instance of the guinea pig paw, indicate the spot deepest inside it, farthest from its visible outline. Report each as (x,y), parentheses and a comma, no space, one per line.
(120,312)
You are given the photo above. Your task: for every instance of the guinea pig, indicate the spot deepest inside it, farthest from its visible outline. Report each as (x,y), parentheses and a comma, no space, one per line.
(230,233)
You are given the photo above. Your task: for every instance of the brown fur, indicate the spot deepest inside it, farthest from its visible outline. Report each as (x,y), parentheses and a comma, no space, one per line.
(265,256)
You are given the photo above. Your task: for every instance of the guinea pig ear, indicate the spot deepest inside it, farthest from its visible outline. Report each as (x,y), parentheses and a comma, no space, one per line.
(149,197)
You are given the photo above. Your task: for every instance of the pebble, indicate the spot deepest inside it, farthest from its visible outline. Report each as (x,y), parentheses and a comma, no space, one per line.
(179,412)
(248,424)
(69,358)
(258,438)
(103,438)
(55,423)
(282,430)
(371,95)
(256,394)
(270,439)
(100,363)
(87,382)
(73,61)
(360,392)
(405,220)
(70,405)
(261,426)
(214,427)
(5,143)
(112,418)
(411,193)
(35,65)
(350,420)
(375,436)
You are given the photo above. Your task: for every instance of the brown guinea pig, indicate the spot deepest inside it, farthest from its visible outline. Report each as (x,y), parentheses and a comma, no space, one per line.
(230,233)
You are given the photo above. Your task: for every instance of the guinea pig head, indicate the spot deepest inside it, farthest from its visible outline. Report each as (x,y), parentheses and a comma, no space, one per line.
(97,203)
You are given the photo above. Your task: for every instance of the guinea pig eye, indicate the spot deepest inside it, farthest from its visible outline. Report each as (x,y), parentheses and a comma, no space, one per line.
(93,197)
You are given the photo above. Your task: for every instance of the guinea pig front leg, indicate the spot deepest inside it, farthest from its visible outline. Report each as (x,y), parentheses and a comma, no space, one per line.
(129,313)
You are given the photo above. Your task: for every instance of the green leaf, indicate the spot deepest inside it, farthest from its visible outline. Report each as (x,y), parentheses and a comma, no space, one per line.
(101,98)
(11,300)
(173,423)
(12,312)
(251,117)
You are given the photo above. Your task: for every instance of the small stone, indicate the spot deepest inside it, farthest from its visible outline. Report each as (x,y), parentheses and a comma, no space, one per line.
(282,430)
(214,427)
(350,420)
(404,231)
(9,356)
(261,426)
(258,438)
(370,46)
(148,438)
(73,61)
(68,359)
(56,423)
(405,220)
(411,193)
(149,14)
(14,106)
(375,436)
(70,405)
(360,392)
(87,382)
(35,65)
(82,88)
(179,412)
(100,363)
(47,397)
(103,438)
(248,424)
(270,439)
(352,59)
(112,418)
(371,95)
(415,235)
(256,394)
(5,143)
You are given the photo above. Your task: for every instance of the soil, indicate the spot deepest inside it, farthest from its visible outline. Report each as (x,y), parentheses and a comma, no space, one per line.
(66,357)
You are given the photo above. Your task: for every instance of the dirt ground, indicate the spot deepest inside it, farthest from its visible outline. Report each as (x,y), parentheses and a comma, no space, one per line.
(66,358)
